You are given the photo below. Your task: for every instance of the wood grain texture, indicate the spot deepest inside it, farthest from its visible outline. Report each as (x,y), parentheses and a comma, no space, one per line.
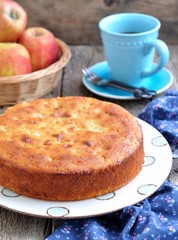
(76,22)
(17,226)
(20,227)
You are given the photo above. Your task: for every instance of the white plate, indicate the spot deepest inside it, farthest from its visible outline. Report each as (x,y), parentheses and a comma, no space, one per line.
(158,163)
(158,82)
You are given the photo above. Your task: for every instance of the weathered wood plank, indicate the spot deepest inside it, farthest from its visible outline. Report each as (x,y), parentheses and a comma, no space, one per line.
(76,21)
(20,227)
(172,65)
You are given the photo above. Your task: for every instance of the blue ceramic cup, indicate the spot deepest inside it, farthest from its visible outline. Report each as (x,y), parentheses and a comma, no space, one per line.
(129,42)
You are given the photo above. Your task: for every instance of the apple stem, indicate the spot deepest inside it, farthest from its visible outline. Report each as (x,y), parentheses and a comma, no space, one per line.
(13,15)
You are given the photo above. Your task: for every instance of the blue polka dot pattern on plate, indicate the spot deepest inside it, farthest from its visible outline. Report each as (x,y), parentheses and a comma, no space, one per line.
(8,193)
(146,189)
(159,141)
(106,196)
(57,211)
(148,160)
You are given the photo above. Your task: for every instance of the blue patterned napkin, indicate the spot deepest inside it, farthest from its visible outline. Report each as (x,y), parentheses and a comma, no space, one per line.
(155,218)
(162,113)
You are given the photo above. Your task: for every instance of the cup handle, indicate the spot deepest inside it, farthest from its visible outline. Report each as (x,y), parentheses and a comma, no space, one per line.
(163,52)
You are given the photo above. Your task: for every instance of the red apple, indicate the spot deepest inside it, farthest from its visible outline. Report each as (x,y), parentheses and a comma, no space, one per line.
(42,46)
(13,20)
(14,59)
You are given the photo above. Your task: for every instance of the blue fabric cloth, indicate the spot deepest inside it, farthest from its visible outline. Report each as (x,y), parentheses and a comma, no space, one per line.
(162,113)
(155,218)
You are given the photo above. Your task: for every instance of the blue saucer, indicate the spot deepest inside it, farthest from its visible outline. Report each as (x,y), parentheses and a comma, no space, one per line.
(158,82)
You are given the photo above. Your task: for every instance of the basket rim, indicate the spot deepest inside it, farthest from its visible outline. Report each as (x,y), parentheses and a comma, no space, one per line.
(58,65)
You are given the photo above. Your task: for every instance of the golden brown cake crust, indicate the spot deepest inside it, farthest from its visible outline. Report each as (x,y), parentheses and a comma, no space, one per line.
(68,148)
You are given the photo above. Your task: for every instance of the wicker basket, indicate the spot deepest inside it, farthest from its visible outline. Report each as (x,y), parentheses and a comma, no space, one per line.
(36,84)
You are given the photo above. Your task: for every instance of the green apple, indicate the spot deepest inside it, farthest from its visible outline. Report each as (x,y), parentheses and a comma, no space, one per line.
(13,20)
(14,59)
(41,45)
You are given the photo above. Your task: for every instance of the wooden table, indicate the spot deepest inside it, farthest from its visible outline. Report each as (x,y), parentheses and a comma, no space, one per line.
(17,226)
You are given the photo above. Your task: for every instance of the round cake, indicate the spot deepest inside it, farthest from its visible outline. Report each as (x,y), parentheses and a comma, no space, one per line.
(68,148)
